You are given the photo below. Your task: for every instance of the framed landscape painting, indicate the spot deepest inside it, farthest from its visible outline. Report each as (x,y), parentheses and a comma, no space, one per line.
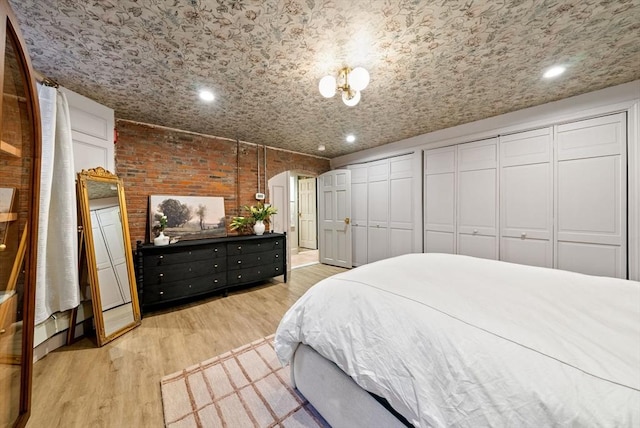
(188,217)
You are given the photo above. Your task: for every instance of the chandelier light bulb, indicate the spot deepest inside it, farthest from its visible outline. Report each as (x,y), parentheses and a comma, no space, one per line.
(358,79)
(327,86)
(354,100)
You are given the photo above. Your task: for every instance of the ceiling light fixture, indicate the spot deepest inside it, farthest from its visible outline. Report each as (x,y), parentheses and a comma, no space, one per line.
(206,95)
(351,138)
(321,148)
(554,71)
(349,83)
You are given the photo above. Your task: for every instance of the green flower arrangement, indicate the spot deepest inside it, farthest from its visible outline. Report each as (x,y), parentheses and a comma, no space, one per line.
(256,213)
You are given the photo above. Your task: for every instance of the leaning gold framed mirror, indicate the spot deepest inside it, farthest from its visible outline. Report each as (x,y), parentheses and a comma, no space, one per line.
(108,256)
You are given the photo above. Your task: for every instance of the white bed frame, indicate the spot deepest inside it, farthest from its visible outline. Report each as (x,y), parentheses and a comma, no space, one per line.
(340,401)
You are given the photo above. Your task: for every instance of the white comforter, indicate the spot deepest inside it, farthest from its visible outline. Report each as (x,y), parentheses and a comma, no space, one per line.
(458,341)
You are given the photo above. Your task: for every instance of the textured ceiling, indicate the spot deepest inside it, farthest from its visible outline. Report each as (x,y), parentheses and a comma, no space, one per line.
(433,64)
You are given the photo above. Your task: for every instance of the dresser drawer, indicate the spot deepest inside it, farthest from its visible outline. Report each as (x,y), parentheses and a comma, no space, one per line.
(253,274)
(248,247)
(167,273)
(254,259)
(169,291)
(178,255)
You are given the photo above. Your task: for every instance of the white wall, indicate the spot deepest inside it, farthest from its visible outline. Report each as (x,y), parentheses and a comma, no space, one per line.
(625,97)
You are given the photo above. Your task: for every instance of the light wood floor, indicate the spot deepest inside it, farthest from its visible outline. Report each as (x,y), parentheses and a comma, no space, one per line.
(118,385)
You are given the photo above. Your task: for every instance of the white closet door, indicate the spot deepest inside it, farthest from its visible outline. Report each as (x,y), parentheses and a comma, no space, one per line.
(401,205)
(440,200)
(477,199)
(378,210)
(111,225)
(526,198)
(359,213)
(591,205)
(110,295)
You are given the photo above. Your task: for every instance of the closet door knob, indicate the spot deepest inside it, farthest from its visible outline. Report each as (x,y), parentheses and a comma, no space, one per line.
(475,231)
(523,235)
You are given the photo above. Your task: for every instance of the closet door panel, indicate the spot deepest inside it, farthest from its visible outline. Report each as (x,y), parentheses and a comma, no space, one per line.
(589,200)
(477,202)
(359,207)
(602,136)
(110,295)
(439,242)
(526,201)
(377,244)
(591,259)
(359,245)
(526,147)
(401,242)
(401,203)
(477,246)
(532,252)
(440,200)
(378,203)
(478,155)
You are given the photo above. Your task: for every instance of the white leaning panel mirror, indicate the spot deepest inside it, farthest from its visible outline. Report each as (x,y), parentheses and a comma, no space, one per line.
(107,245)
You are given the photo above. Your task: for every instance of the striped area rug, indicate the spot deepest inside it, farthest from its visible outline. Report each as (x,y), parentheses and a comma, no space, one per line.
(246,387)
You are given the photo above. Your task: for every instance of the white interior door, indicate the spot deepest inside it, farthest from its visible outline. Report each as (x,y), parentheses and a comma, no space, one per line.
(307,213)
(334,207)
(591,201)
(92,131)
(279,199)
(378,211)
(401,205)
(359,215)
(477,199)
(526,198)
(440,200)
(111,226)
(110,292)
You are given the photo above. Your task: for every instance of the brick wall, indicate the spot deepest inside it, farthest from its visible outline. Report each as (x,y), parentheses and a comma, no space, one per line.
(160,161)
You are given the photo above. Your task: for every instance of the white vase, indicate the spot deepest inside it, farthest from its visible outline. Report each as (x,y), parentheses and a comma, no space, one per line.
(258,228)
(161,240)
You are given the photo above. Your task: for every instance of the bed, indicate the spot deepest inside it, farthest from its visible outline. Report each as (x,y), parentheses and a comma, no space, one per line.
(449,340)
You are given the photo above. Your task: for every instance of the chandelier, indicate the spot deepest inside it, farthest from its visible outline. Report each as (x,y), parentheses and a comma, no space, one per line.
(349,83)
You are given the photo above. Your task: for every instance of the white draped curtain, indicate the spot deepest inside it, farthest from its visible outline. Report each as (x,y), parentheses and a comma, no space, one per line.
(57,286)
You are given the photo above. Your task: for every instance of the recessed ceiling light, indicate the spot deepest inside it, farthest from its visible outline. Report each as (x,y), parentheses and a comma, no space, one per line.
(206,95)
(554,71)
(321,148)
(351,138)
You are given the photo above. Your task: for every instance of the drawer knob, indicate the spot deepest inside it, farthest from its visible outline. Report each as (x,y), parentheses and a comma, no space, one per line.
(277,269)
(215,250)
(277,243)
(215,266)
(189,285)
(161,257)
(189,252)
(239,262)
(161,275)
(239,276)
(161,293)
(277,255)
(215,281)
(239,248)
(259,258)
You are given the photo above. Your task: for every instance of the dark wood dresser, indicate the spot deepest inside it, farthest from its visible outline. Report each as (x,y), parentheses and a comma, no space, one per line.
(180,271)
